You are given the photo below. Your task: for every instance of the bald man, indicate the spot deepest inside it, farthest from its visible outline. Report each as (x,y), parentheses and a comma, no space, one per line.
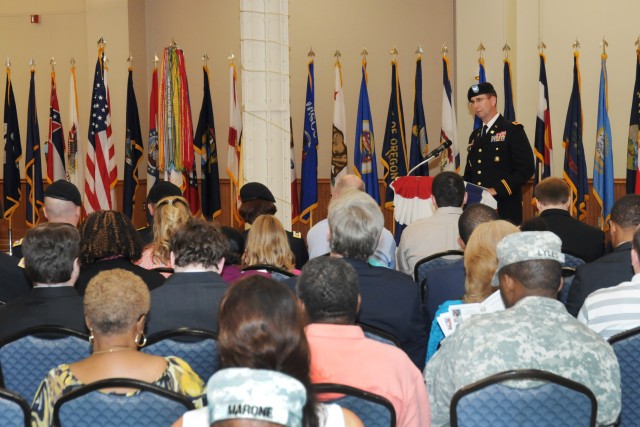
(318,235)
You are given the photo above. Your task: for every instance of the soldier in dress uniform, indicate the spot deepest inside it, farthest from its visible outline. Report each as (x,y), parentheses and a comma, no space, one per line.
(499,156)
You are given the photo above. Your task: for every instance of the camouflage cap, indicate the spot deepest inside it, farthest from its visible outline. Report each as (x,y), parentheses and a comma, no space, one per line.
(526,246)
(256,394)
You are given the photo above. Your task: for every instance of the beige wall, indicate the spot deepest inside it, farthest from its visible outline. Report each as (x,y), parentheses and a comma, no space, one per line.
(558,24)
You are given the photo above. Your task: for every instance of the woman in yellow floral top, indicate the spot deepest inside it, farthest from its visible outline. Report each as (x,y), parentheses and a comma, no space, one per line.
(116,304)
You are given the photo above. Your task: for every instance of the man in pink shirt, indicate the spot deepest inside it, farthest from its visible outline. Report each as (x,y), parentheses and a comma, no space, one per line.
(340,353)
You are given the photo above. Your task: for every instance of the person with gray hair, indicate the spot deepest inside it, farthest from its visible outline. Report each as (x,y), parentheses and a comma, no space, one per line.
(534,332)
(318,236)
(390,299)
(340,352)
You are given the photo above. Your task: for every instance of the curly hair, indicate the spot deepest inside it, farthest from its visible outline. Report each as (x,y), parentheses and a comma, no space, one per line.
(114,301)
(262,327)
(170,214)
(480,259)
(107,234)
(199,242)
(50,250)
(267,244)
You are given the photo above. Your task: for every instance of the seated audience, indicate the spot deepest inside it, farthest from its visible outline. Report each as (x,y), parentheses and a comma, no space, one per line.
(51,264)
(191,296)
(158,191)
(267,245)
(14,283)
(615,267)
(390,299)
(232,269)
(262,327)
(340,352)
(480,263)
(115,307)
(62,204)
(318,235)
(553,198)
(534,224)
(439,232)
(257,200)
(616,309)
(534,332)
(170,213)
(108,240)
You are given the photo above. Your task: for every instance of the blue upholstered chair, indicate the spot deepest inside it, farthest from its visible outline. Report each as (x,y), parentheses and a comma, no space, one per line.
(198,348)
(372,409)
(14,409)
(568,272)
(150,406)
(551,401)
(572,261)
(27,357)
(440,259)
(379,335)
(626,345)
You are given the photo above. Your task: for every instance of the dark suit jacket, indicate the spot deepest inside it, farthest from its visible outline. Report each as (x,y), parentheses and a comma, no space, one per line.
(13,281)
(56,306)
(578,238)
(443,284)
(502,160)
(187,300)
(610,270)
(153,279)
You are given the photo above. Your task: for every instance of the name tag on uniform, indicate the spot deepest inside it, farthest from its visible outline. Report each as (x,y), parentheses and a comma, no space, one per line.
(500,136)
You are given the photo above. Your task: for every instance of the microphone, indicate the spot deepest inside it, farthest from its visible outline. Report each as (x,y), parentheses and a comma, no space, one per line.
(439,149)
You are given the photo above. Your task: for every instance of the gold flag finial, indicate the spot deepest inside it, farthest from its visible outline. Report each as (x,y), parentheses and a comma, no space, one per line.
(102,42)
(72,62)
(337,55)
(8,63)
(481,49)
(541,46)
(53,63)
(638,42)
(576,44)
(174,44)
(205,59)
(394,52)
(419,50)
(364,52)
(155,60)
(506,49)
(130,59)
(444,49)
(32,64)
(311,53)
(231,57)
(604,45)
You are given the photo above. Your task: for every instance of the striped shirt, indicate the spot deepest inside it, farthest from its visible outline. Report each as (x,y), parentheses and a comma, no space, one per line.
(612,310)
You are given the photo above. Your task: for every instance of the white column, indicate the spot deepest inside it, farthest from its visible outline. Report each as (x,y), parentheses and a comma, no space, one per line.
(264,38)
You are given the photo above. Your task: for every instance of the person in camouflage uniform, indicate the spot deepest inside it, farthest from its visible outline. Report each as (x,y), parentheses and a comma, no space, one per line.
(535,332)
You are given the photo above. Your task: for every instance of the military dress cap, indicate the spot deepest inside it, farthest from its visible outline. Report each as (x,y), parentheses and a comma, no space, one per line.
(162,189)
(64,190)
(255,191)
(255,394)
(485,88)
(527,246)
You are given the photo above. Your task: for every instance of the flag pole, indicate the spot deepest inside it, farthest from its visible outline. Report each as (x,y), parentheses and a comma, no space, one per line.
(10,238)
(32,64)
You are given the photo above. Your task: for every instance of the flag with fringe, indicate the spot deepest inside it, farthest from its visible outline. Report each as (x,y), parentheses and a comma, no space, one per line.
(603,159)
(575,167)
(234,151)
(33,161)
(633,166)
(482,77)
(509,110)
(450,159)
(55,140)
(419,139)
(295,203)
(339,155)
(309,174)
(12,152)
(543,147)
(133,150)
(75,152)
(153,175)
(364,153)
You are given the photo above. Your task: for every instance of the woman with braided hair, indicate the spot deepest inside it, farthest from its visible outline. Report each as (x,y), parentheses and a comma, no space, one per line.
(109,240)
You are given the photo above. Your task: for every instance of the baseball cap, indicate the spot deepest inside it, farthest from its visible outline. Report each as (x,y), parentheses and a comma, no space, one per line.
(64,190)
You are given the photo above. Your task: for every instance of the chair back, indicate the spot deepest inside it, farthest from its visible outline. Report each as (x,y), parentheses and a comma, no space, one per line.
(626,345)
(151,405)
(440,259)
(197,347)
(14,409)
(27,357)
(549,401)
(379,335)
(275,272)
(372,409)
(568,273)
(572,261)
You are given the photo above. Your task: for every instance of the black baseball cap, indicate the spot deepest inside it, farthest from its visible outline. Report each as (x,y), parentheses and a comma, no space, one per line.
(64,190)
(255,191)
(485,88)
(162,189)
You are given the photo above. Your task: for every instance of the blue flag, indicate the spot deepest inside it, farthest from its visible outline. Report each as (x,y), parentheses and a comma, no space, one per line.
(633,170)
(394,155)
(204,143)
(509,110)
(419,140)
(132,150)
(33,162)
(482,77)
(12,152)
(575,167)
(364,157)
(309,174)
(603,159)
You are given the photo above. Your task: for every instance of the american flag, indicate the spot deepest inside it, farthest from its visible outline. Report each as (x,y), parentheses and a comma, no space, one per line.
(100,170)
